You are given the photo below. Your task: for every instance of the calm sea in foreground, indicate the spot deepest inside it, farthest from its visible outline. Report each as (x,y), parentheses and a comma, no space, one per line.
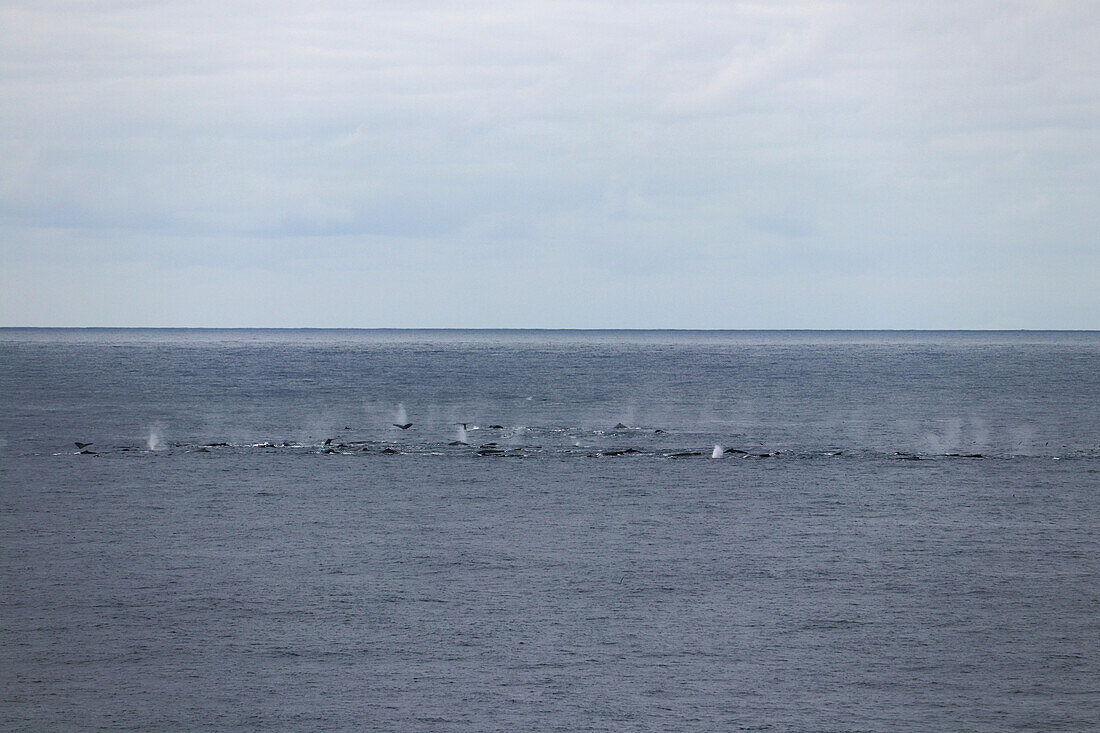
(898,531)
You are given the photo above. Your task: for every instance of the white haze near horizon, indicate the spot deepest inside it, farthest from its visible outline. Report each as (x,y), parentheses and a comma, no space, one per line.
(535,164)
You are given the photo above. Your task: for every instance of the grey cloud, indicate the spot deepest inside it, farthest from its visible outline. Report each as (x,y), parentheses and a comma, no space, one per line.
(601,145)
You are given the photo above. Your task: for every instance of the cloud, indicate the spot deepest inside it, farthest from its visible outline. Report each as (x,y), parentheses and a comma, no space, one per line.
(610,143)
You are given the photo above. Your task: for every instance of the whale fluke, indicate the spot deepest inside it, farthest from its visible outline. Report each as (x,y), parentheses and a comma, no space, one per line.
(82,446)
(406,426)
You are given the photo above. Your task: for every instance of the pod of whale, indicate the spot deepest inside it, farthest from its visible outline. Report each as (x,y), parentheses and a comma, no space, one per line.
(561,440)
(330,446)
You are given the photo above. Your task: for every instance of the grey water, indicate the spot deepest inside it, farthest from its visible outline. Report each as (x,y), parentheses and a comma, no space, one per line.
(901,531)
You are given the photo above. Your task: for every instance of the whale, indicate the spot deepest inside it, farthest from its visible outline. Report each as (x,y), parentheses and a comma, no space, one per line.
(406,426)
(82,446)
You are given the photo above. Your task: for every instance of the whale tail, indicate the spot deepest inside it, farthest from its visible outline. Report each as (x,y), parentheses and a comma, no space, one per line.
(80,445)
(406,426)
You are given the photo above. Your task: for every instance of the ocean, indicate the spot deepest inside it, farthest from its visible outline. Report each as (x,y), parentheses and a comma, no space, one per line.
(549,530)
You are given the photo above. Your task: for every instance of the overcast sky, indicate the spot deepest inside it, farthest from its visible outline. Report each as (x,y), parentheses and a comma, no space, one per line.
(550,164)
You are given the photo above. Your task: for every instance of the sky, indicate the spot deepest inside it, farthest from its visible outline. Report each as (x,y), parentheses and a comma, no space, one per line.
(620,164)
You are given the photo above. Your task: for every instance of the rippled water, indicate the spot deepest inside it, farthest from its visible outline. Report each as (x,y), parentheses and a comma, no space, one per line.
(903,534)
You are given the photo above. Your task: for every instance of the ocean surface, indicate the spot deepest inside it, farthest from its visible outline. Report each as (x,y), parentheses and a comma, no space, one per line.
(579,531)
